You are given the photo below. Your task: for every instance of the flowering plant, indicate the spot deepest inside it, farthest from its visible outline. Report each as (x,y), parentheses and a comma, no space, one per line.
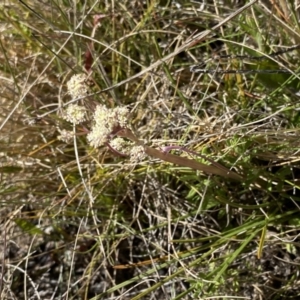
(111,127)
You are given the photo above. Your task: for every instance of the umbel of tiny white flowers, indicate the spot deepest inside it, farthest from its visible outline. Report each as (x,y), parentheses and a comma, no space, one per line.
(74,113)
(107,123)
(65,135)
(77,86)
(137,153)
(127,148)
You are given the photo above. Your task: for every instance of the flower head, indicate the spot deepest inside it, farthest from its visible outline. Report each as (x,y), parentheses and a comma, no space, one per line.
(137,154)
(77,86)
(74,113)
(107,122)
(121,145)
(65,135)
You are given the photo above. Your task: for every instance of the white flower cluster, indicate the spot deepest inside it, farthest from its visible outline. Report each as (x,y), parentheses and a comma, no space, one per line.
(120,145)
(137,154)
(65,136)
(77,86)
(106,123)
(74,113)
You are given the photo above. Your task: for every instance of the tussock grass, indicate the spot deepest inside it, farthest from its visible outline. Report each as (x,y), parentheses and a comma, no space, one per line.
(85,223)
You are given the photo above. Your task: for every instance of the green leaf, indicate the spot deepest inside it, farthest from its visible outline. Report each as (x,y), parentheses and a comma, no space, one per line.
(28,227)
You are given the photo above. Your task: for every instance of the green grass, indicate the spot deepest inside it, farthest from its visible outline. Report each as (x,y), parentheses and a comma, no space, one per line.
(85,223)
